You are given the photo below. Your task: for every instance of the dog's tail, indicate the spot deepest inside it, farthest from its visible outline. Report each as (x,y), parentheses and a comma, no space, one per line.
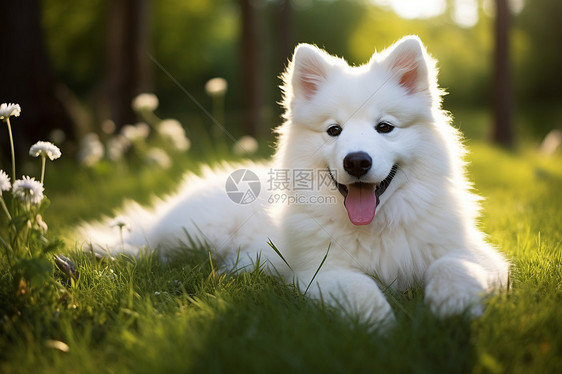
(126,232)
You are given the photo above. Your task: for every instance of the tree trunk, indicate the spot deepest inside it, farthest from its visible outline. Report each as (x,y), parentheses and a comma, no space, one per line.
(127,63)
(27,78)
(285,31)
(503,129)
(251,68)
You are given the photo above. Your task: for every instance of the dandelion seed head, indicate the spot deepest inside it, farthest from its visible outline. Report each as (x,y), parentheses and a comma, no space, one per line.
(121,222)
(145,101)
(45,149)
(158,157)
(246,145)
(8,110)
(91,150)
(216,87)
(173,131)
(28,190)
(181,143)
(117,146)
(136,133)
(170,127)
(5,184)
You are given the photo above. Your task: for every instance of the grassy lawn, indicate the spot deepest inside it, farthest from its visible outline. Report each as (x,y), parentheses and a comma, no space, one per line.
(142,315)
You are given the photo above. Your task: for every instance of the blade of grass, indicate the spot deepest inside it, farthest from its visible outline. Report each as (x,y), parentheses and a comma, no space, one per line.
(278,253)
(319,267)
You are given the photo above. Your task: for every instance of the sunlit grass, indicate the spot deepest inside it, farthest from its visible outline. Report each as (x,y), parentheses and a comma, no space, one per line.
(143,315)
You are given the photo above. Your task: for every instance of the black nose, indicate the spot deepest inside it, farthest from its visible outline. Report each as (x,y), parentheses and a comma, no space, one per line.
(357,163)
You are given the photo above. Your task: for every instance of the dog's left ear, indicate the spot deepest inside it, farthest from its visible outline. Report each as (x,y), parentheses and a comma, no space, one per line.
(407,59)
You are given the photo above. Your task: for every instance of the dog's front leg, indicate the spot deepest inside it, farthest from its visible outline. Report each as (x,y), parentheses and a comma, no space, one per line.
(455,284)
(355,293)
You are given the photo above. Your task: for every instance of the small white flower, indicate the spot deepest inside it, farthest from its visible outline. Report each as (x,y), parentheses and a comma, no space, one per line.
(145,101)
(173,131)
(116,147)
(216,87)
(45,149)
(171,128)
(246,145)
(91,149)
(7,110)
(28,190)
(4,182)
(181,143)
(158,157)
(121,222)
(136,133)
(551,142)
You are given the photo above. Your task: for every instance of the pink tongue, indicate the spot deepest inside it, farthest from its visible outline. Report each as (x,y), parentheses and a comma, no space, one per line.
(361,203)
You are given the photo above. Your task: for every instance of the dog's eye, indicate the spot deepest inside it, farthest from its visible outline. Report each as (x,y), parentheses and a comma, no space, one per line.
(384,127)
(334,130)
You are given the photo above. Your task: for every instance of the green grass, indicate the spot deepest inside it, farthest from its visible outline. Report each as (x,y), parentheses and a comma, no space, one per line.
(142,315)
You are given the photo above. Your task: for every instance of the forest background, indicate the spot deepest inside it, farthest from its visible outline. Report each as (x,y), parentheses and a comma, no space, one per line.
(74,65)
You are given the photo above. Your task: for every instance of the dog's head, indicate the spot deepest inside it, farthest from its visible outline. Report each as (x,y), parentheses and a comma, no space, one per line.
(366,123)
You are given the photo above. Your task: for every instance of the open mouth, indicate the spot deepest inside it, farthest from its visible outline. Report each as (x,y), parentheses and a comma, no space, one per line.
(362,199)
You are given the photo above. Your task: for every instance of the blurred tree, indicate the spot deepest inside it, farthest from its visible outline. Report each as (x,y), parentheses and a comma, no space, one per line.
(127,62)
(27,78)
(503,130)
(251,67)
(539,74)
(285,26)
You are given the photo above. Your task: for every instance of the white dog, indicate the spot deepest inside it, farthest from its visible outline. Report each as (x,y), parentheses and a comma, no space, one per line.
(367,189)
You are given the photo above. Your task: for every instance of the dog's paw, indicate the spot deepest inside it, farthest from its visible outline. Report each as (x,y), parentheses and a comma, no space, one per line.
(355,295)
(455,287)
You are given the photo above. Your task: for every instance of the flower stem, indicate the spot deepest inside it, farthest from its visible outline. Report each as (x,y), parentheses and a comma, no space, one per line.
(5,208)
(12,148)
(43,161)
(122,241)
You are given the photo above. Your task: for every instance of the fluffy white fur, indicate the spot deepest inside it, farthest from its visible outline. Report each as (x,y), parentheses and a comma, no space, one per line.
(424,231)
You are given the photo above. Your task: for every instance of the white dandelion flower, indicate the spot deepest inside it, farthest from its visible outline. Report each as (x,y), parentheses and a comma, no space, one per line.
(45,149)
(116,147)
(8,110)
(170,128)
(136,133)
(157,156)
(173,131)
(246,145)
(181,143)
(28,190)
(122,222)
(145,101)
(5,184)
(216,87)
(91,149)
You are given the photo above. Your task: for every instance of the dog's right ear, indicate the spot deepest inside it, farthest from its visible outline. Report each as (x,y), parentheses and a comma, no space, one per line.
(307,71)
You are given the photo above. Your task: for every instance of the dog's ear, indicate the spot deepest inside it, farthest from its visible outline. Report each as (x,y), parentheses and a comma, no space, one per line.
(407,59)
(307,71)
